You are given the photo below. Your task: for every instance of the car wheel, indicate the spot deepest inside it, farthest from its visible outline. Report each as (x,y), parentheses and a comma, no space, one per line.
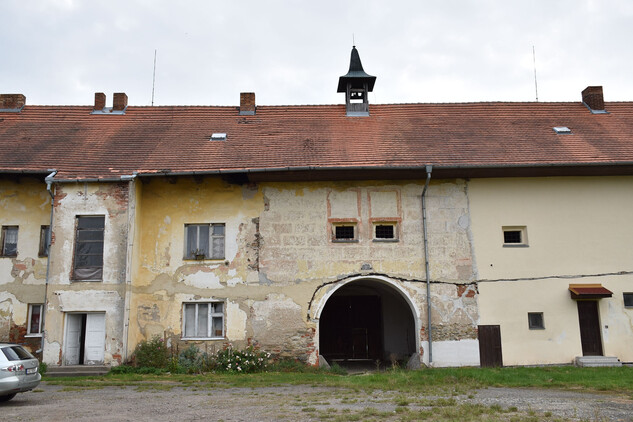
(7,397)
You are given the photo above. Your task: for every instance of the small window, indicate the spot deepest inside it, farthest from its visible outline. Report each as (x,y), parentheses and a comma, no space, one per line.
(203,320)
(628,300)
(9,241)
(344,232)
(515,236)
(45,240)
(204,241)
(35,319)
(88,263)
(535,321)
(385,231)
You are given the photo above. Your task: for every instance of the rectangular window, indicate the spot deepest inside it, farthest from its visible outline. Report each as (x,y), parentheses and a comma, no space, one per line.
(535,321)
(628,300)
(385,231)
(515,236)
(204,241)
(203,320)
(45,232)
(344,232)
(88,264)
(9,241)
(35,319)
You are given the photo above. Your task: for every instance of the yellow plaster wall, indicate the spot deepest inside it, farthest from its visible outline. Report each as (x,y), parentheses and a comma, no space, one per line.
(579,231)
(24,203)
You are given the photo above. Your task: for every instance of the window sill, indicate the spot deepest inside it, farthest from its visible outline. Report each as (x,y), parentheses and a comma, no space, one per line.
(8,256)
(204,259)
(202,338)
(344,241)
(386,240)
(73,280)
(33,335)
(518,245)
(537,328)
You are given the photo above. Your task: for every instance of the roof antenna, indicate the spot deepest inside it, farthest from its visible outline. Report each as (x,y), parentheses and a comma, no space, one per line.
(154,77)
(535,84)
(353,41)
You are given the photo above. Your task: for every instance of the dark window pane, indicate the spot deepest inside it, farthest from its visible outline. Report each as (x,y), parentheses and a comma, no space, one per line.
(9,241)
(90,248)
(36,311)
(88,235)
(512,236)
(91,222)
(384,231)
(535,320)
(628,299)
(344,232)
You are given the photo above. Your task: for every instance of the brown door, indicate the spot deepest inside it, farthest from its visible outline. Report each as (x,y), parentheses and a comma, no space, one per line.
(490,345)
(590,337)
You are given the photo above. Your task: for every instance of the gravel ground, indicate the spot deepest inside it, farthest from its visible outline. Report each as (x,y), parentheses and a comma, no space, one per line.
(291,403)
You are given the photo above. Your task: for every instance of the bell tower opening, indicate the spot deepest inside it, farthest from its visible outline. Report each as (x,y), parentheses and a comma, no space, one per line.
(356,84)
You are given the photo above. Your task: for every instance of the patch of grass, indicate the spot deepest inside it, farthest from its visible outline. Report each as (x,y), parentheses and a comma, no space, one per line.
(436,381)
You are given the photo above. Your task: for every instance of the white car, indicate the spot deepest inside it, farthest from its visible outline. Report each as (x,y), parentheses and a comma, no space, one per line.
(18,371)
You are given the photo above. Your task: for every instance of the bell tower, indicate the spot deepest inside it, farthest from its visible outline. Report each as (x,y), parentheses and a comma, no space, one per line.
(356,85)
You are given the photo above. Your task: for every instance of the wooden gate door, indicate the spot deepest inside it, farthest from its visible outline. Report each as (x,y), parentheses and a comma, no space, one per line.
(590,337)
(490,346)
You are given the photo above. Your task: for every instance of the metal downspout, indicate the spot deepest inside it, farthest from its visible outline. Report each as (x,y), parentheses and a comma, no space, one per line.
(429,168)
(49,182)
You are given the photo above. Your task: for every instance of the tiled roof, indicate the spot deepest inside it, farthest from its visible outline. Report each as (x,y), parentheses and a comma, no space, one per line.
(177,138)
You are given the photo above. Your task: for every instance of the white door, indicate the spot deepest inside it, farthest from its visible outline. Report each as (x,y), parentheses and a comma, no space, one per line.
(73,339)
(95,339)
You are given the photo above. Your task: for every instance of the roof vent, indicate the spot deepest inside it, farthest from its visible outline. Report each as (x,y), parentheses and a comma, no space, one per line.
(562,130)
(218,137)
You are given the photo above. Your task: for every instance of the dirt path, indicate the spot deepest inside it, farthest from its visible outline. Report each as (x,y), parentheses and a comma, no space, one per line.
(292,403)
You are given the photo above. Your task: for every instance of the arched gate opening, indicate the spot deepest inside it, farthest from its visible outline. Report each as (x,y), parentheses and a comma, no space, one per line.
(367,320)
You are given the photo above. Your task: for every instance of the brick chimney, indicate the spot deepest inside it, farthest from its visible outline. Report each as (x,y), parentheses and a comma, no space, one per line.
(119,102)
(592,97)
(100,100)
(12,102)
(247,103)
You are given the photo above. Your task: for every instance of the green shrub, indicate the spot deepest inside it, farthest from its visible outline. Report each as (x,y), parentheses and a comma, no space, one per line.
(122,369)
(43,368)
(193,361)
(151,354)
(241,361)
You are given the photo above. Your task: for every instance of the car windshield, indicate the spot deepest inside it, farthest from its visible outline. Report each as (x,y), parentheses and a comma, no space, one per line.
(16,353)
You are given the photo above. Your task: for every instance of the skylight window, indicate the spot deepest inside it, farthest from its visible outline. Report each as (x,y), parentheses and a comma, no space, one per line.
(562,130)
(218,137)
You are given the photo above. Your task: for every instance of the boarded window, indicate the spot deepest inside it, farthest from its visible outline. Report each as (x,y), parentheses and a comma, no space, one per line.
(203,320)
(535,321)
(35,319)
(204,241)
(9,241)
(45,240)
(88,263)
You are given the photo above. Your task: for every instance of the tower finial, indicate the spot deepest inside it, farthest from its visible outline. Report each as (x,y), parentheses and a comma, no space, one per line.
(356,84)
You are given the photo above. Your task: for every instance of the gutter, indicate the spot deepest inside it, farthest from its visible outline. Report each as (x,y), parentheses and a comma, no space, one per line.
(49,184)
(429,168)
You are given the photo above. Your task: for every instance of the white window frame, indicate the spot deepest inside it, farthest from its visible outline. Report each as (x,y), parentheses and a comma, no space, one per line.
(210,253)
(30,316)
(385,223)
(3,239)
(523,232)
(211,315)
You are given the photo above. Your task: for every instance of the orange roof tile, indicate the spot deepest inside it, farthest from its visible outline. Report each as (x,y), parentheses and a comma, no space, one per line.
(176,139)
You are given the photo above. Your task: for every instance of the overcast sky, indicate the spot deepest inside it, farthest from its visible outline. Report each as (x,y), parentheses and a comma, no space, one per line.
(293,52)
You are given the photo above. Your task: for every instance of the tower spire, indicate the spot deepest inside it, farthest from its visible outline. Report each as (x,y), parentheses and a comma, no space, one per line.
(356,84)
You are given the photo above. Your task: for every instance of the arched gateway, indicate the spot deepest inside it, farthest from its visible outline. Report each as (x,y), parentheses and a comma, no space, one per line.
(367,318)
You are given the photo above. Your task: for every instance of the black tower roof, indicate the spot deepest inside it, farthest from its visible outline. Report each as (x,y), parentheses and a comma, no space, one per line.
(356,75)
